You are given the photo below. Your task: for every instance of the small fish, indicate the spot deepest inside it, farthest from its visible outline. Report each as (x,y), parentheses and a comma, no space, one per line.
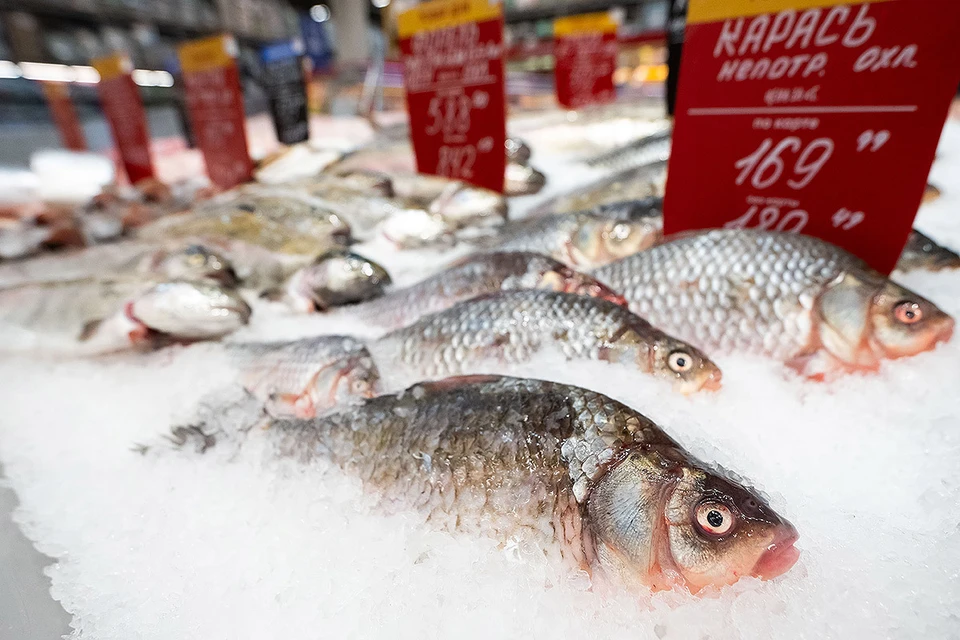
(303,378)
(582,239)
(415,228)
(523,180)
(795,298)
(114,314)
(631,184)
(335,279)
(922,252)
(174,262)
(512,326)
(580,475)
(474,276)
(517,150)
(649,149)
(21,238)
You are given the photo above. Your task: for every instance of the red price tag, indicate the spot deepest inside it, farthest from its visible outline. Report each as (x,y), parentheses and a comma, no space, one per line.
(64,115)
(123,107)
(453,73)
(585,51)
(215,103)
(812,116)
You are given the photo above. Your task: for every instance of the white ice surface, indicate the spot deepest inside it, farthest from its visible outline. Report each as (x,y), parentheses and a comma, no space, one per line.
(181,545)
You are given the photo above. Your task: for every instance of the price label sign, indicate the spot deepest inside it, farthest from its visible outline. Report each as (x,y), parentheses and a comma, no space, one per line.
(64,115)
(453,73)
(123,108)
(585,51)
(215,105)
(286,89)
(812,116)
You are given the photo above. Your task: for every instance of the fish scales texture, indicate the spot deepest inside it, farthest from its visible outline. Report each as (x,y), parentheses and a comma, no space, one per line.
(65,306)
(731,290)
(512,326)
(482,458)
(476,276)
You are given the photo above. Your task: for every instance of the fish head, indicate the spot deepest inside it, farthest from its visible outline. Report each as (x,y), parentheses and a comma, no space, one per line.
(863,318)
(688,368)
(718,531)
(463,204)
(337,278)
(905,324)
(523,180)
(565,280)
(599,241)
(352,377)
(196,262)
(517,150)
(184,310)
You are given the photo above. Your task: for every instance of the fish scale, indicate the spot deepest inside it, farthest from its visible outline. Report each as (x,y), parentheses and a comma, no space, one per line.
(759,288)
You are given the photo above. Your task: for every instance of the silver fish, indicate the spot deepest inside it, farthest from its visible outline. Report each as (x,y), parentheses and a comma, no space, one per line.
(112,314)
(578,474)
(632,184)
(792,297)
(523,180)
(477,275)
(176,262)
(335,279)
(303,378)
(512,326)
(517,150)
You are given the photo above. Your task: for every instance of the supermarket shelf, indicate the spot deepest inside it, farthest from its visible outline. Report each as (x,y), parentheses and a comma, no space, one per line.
(544,46)
(568,8)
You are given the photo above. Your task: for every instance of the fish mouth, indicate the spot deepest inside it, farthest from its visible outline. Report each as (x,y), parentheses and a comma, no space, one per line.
(713,381)
(780,555)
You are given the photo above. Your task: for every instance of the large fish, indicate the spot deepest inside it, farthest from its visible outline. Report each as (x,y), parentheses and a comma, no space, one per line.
(584,239)
(174,261)
(511,327)
(336,278)
(474,276)
(792,297)
(112,314)
(572,471)
(305,377)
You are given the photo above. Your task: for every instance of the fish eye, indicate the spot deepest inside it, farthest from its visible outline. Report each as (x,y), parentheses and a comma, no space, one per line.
(680,361)
(620,232)
(715,519)
(908,312)
(196,259)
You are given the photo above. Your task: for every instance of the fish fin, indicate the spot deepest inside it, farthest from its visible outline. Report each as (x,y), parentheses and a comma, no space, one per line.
(89,329)
(455,382)
(816,366)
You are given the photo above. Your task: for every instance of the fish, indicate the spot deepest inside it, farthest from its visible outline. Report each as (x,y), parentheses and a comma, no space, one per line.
(415,228)
(21,237)
(590,481)
(517,150)
(794,298)
(474,276)
(922,252)
(336,278)
(649,149)
(303,378)
(178,261)
(631,184)
(583,239)
(510,327)
(286,225)
(114,314)
(931,193)
(523,180)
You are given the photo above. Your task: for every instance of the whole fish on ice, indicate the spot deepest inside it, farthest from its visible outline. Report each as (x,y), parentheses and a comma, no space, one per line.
(172,261)
(485,334)
(102,315)
(792,297)
(477,275)
(336,278)
(582,476)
